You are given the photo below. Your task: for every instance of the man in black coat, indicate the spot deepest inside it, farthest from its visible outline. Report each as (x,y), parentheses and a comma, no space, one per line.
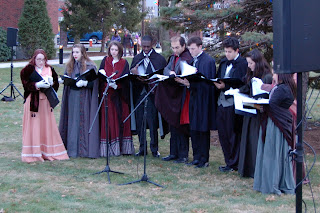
(127,43)
(149,61)
(170,100)
(202,104)
(229,124)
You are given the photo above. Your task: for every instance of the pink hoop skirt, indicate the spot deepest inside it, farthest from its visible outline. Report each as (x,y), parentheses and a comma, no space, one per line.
(41,139)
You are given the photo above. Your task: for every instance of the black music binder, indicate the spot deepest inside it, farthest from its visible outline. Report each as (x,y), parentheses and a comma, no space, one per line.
(49,92)
(88,75)
(233,82)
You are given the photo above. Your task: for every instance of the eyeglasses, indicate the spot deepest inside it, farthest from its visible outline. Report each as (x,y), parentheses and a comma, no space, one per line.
(40,59)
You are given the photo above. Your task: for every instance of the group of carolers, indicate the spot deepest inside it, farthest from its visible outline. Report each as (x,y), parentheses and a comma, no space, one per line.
(255,146)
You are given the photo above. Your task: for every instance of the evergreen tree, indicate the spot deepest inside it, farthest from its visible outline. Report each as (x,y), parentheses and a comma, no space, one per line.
(104,15)
(77,18)
(250,20)
(5,51)
(35,30)
(83,16)
(129,14)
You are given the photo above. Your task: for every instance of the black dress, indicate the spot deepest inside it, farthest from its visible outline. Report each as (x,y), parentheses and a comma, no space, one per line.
(249,137)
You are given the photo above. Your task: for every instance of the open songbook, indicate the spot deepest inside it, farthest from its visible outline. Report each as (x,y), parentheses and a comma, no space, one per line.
(243,104)
(49,92)
(88,75)
(187,71)
(145,77)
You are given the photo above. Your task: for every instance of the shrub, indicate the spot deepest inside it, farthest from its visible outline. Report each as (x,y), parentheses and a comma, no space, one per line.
(4,49)
(35,30)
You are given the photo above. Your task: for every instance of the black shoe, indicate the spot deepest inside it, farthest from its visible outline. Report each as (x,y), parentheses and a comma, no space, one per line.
(194,162)
(181,160)
(202,165)
(156,154)
(225,169)
(140,153)
(169,158)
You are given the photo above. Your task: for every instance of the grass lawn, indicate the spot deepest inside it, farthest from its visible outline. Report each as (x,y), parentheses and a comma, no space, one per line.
(69,186)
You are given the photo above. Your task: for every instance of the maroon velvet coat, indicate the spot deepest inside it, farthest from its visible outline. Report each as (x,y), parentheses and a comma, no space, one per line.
(30,87)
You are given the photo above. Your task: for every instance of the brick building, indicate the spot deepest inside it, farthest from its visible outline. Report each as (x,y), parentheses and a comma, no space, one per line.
(11,10)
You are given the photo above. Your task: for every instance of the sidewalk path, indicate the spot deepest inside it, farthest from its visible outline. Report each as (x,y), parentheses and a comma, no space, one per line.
(50,62)
(54,61)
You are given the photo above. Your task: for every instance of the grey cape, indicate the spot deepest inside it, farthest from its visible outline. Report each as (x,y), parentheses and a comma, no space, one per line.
(78,109)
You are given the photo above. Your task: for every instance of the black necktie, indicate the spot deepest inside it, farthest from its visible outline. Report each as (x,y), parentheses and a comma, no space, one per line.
(230,62)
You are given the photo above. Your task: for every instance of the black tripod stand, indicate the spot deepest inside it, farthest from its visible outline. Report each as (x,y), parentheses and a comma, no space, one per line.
(11,85)
(104,98)
(144,126)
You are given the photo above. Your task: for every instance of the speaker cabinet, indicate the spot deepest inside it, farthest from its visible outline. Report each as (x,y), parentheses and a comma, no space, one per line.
(12,36)
(296,35)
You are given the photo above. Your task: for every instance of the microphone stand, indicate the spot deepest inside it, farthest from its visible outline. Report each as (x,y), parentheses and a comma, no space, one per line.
(144,125)
(104,98)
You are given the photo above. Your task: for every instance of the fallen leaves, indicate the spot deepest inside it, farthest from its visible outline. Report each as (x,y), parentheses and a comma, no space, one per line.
(235,193)
(270,198)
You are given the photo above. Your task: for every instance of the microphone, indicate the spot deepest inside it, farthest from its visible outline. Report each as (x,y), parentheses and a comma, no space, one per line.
(113,74)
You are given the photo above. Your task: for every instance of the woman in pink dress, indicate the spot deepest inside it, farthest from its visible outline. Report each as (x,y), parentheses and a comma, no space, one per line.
(41,139)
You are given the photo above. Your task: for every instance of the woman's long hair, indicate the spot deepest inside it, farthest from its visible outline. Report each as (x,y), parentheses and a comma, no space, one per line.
(285,78)
(35,54)
(83,60)
(262,67)
(120,48)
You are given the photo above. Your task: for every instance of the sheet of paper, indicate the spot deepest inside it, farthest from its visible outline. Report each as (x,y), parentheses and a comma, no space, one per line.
(187,69)
(102,72)
(141,70)
(254,101)
(256,87)
(238,103)
(159,77)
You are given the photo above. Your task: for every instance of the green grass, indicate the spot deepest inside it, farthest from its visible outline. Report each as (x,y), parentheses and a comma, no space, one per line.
(69,186)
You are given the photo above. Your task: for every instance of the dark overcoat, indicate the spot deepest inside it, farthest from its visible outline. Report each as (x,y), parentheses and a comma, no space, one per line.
(202,107)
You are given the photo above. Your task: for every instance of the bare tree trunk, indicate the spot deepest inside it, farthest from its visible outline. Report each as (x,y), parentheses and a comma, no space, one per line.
(305,81)
(63,38)
(103,42)
(143,31)
(77,39)
(164,34)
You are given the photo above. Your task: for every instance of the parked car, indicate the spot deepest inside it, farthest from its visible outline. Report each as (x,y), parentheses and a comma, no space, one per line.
(95,36)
